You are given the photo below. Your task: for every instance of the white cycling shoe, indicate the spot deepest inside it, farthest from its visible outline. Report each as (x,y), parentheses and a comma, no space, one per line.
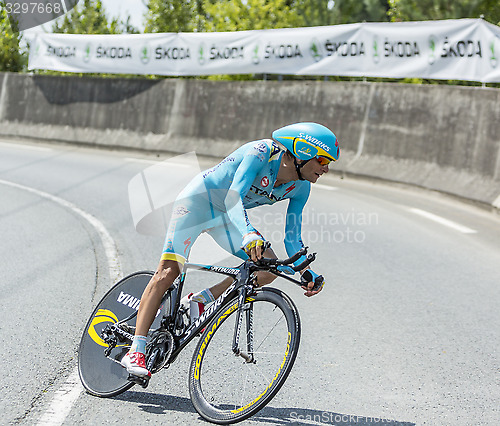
(135,363)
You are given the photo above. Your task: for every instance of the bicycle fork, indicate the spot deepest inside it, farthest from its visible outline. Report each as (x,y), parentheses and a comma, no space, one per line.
(246,308)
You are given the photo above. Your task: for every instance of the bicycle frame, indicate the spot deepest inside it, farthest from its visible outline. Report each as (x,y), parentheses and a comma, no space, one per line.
(112,324)
(241,284)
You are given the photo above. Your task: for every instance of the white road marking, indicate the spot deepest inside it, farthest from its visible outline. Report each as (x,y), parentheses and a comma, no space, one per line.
(22,146)
(63,400)
(143,160)
(320,186)
(68,393)
(443,221)
(496,203)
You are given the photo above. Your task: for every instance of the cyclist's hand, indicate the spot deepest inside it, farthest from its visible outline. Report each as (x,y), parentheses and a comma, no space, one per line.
(312,282)
(253,244)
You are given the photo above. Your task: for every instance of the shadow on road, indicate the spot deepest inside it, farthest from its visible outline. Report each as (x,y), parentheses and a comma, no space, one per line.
(161,404)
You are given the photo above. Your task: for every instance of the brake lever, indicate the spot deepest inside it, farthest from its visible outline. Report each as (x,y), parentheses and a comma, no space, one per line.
(266,245)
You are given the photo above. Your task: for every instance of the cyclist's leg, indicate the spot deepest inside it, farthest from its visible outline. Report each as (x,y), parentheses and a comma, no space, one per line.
(178,242)
(189,218)
(166,273)
(135,360)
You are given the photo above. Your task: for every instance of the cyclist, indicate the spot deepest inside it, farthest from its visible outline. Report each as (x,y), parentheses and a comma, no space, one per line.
(259,172)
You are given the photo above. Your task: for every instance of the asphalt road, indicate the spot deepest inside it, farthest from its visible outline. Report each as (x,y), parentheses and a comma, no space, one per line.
(405,332)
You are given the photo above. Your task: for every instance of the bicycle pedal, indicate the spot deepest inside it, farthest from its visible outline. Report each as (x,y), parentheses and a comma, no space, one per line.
(141,381)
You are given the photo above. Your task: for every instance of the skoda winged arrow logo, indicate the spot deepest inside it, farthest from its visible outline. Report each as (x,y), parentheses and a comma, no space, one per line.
(432,47)
(201,54)
(376,54)
(255,56)
(145,55)
(315,50)
(493,58)
(35,48)
(86,56)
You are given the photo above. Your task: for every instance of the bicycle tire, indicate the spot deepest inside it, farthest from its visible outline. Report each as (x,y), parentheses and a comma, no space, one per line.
(100,375)
(214,367)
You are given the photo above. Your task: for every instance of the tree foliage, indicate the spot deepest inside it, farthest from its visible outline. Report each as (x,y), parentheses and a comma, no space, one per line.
(11,57)
(233,15)
(239,15)
(220,15)
(173,16)
(316,12)
(90,17)
(422,10)
(349,11)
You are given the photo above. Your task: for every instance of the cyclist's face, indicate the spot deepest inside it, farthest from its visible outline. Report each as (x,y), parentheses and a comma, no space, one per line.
(313,170)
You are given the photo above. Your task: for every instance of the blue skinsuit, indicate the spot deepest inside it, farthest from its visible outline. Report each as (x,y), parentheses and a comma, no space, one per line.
(216,199)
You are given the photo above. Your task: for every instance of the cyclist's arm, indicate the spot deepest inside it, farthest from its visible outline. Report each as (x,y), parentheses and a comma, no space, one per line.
(293,227)
(293,241)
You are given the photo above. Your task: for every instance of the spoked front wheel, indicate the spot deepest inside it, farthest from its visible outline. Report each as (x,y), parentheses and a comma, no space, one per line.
(227,388)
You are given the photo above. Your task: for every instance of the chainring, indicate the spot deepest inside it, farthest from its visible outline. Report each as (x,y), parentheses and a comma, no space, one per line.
(164,341)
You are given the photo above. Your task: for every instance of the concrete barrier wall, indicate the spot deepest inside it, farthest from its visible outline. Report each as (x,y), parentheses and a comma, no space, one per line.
(439,137)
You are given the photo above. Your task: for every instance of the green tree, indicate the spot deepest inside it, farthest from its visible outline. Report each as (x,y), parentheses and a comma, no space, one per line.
(238,15)
(221,15)
(420,10)
(351,11)
(90,17)
(316,12)
(173,16)
(11,57)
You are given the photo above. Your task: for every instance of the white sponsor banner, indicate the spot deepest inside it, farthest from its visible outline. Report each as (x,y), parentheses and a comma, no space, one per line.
(463,49)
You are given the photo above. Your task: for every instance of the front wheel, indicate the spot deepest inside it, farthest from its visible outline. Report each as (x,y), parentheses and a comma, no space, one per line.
(226,388)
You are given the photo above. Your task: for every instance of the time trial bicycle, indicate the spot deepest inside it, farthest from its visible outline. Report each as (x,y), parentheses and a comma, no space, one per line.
(232,375)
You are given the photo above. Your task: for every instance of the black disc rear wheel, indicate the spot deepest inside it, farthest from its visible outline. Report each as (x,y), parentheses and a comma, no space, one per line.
(100,375)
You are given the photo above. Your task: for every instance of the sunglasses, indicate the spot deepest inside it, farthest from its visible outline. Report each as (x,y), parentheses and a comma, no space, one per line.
(323,160)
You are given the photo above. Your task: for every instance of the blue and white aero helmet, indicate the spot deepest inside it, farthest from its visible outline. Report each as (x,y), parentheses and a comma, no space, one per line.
(308,140)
